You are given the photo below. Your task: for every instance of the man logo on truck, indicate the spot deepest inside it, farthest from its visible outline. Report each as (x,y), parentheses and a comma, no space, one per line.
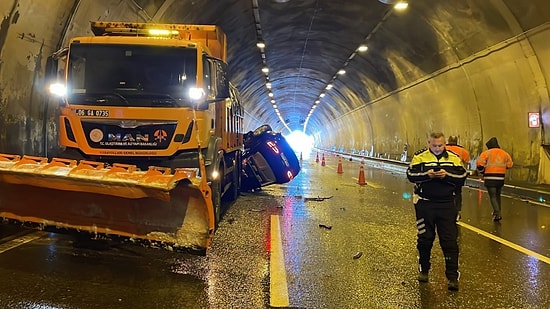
(160,135)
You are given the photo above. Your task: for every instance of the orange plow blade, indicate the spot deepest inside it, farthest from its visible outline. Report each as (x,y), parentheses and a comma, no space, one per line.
(174,209)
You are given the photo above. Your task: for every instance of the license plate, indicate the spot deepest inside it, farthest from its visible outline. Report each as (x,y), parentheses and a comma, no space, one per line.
(92,112)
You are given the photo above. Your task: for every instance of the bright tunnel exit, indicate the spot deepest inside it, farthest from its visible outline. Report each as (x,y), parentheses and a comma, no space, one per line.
(300,143)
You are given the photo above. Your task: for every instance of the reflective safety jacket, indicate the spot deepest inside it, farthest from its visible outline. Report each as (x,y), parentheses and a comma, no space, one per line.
(460,151)
(436,189)
(493,163)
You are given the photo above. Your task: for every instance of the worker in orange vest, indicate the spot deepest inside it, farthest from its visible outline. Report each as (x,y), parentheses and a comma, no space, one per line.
(452,145)
(493,163)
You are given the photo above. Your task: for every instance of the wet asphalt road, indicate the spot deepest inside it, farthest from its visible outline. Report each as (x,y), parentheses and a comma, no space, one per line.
(345,246)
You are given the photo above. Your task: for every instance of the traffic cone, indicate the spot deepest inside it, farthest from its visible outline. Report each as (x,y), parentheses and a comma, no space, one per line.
(323,160)
(340,169)
(317,157)
(361,180)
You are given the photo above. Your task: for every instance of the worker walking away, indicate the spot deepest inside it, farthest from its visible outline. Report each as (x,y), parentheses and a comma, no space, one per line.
(436,174)
(452,145)
(492,164)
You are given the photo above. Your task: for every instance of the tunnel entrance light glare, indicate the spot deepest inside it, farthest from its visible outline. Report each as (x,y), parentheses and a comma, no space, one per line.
(300,143)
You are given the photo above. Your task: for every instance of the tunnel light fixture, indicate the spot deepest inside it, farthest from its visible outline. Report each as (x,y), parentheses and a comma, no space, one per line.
(260,45)
(265,70)
(401,5)
(398,5)
(268,85)
(270,94)
(274,105)
(362,48)
(272,101)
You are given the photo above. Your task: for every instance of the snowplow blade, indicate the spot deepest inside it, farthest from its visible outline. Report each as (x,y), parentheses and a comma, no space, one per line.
(158,206)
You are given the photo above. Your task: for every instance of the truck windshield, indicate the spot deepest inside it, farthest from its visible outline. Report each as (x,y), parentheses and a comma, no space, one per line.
(131,75)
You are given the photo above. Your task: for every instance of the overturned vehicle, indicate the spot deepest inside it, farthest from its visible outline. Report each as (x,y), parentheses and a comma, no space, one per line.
(267,159)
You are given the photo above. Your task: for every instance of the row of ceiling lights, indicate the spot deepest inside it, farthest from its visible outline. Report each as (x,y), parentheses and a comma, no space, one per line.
(400,5)
(265,69)
(268,85)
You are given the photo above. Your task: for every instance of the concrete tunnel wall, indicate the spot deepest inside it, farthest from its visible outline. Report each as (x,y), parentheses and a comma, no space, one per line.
(486,94)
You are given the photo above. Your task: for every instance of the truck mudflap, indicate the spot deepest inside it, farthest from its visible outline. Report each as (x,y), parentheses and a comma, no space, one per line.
(158,206)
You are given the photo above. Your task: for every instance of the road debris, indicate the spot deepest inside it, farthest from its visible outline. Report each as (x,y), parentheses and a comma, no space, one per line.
(317,199)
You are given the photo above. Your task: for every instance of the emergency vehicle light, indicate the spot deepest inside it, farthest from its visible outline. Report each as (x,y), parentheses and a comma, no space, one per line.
(162,32)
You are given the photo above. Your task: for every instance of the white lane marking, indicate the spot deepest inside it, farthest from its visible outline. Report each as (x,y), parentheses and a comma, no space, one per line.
(278,288)
(14,243)
(521,249)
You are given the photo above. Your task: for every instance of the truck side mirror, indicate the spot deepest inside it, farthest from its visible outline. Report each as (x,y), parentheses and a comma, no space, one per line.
(220,82)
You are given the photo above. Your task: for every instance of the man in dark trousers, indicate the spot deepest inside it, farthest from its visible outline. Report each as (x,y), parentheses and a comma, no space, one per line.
(493,163)
(437,174)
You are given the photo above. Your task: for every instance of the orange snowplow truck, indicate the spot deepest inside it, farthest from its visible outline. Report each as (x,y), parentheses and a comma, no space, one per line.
(152,135)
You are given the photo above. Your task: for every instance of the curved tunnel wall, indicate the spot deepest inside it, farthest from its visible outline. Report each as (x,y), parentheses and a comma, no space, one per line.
(488,94)
(450,84)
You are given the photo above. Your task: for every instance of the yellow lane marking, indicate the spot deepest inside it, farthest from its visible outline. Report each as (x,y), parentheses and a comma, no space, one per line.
(521,249)
(14,243)
(278,289)
(370,183)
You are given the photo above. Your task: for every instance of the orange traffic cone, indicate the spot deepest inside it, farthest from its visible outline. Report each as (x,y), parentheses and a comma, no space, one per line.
(317,157)
(323,160)
(361,180)
(340,169)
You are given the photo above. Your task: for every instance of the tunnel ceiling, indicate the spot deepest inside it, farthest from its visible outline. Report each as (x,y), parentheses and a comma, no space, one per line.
(307,42)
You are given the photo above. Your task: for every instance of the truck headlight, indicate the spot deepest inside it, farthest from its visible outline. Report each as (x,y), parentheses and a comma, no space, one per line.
(196,93)
(58,89)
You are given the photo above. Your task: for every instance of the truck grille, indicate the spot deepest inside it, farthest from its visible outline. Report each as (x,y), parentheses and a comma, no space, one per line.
(117,134)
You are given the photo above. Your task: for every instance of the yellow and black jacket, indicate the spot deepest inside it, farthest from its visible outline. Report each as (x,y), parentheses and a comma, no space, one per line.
(436,189)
